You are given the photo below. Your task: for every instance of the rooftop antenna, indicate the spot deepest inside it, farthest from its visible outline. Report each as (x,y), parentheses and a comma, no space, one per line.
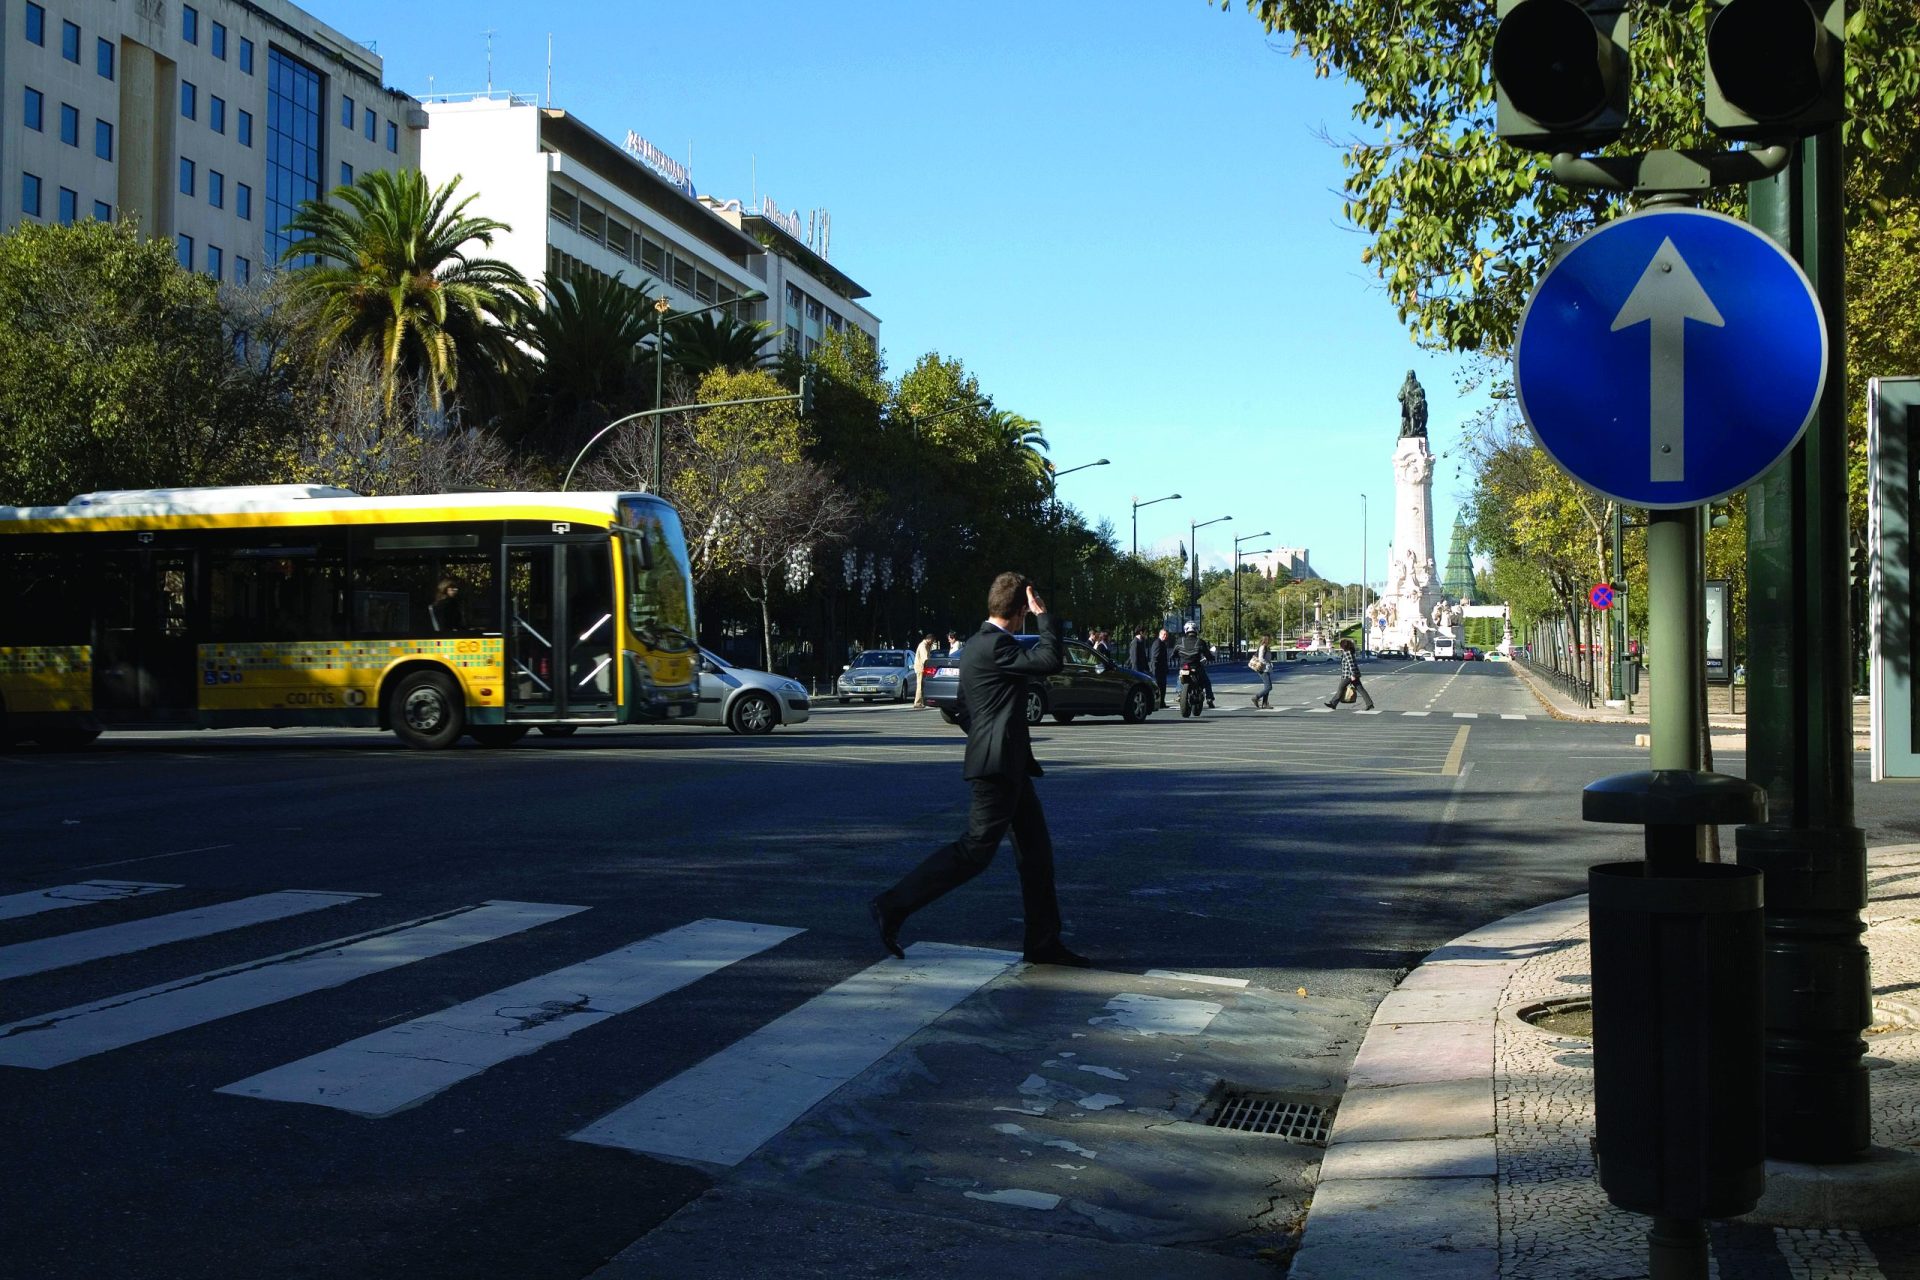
(489,34)
(549,70)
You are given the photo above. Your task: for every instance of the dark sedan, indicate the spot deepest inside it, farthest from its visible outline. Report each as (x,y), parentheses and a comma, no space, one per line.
(1086,685)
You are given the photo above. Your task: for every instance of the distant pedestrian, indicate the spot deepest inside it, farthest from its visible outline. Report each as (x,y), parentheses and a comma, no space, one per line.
(1162,657)
(921,652)
(1262,665)
(1140,652)
(1349,678)
(1103,644)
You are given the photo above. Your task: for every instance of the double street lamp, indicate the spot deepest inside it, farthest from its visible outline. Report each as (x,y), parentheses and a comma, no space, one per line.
(1193,549)
(1137,504)
(663,313)
(1053,494)
(1264,533)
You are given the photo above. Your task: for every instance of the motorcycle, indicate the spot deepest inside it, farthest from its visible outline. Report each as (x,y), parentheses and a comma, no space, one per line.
(1193,693)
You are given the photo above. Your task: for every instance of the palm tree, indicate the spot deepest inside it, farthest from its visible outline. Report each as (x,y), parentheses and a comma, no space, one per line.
(699,344)
(591,338)
(1022,440)
(393,277)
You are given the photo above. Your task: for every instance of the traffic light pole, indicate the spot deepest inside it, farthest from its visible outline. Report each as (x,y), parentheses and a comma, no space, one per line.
(1819,997)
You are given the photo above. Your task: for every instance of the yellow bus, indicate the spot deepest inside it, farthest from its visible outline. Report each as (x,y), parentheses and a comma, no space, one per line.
(484,614)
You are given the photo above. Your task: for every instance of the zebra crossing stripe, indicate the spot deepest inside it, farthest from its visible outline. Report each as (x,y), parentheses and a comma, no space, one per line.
(1416,713)
(54,1039)
(45,954)
(1507,715)
(722,1110)
(1466,715)
(401,1067)
(15,905)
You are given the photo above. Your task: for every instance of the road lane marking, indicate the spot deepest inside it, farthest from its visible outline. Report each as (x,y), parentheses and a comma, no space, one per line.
(43,955)
(1198,977)
(68,1035)
(1442,830)
(724,1109)
(16,905)
(1466,715)
(1508,715)
(1416,713)
(400,1067)
(1459,749)
(154,857)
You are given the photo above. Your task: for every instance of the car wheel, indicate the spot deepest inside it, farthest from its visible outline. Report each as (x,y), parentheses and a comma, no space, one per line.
(1036,706)
(902,695)
(1138,706)
(425,710)
(494,736)
(948,716)
(752,713)
(1064,717)
(559,730)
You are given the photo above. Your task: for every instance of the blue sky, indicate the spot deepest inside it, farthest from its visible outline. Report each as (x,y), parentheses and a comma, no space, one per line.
(1121,216)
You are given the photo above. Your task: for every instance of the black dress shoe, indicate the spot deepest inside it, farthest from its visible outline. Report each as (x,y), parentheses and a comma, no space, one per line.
(889,926)
(1057,954)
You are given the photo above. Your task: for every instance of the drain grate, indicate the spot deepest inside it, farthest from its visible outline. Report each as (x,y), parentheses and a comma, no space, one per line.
(1255,1113)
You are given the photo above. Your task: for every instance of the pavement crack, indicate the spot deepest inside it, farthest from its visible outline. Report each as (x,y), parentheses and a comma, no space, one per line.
(547,1011)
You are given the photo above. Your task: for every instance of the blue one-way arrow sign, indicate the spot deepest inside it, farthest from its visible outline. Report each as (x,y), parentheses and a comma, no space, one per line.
(1671,357)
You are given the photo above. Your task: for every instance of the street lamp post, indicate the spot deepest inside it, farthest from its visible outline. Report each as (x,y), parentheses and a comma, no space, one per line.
(1136,518)
(1053,497)
(1364,630)
(1193,549)
(661,308)
(1264,533)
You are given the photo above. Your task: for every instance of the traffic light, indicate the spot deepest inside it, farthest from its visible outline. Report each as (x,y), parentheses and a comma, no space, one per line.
(806,396)
(1775,68)
(1857,566)
(1560,73)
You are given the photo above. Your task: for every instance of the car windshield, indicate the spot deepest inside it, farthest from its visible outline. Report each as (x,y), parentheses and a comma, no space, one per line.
(877,658)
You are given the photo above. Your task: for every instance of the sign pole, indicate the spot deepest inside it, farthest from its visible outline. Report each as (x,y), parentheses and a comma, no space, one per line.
(1675,627)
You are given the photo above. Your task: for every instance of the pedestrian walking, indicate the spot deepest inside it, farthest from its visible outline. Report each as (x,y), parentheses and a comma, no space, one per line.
(1000,768)
(1140,652)
(1349,678)
(1162,657)
(921,652)
(953,645)
(1262,666)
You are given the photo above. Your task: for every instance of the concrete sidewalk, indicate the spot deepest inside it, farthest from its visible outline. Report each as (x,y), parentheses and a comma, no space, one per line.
(1462,1147)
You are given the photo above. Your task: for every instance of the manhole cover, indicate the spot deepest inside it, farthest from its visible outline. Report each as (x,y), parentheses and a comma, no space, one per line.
(1260,1113)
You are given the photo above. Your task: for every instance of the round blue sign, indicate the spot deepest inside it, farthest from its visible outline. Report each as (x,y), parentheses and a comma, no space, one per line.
(1670,357)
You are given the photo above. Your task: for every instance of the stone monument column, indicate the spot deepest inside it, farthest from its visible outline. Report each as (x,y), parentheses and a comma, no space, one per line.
(1413,582)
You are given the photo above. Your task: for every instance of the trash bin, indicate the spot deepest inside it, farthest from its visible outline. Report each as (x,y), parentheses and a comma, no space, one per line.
(1678,1026)
(1633,679)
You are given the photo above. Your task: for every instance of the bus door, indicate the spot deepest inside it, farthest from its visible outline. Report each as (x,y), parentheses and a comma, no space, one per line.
(560,628)
(143,656)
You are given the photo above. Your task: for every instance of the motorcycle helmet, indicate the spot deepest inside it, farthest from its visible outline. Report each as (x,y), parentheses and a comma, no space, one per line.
(1189,627)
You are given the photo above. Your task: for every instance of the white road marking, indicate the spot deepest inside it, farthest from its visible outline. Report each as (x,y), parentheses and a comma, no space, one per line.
(46,954)
(1157,1015)
(1318,711)
(400,1067)
(53,1039)
(15,905)
(1416,713)
(1197,977)
(1508,715)
(1375,711)
(154,857)
(1466,715)
(722,1110)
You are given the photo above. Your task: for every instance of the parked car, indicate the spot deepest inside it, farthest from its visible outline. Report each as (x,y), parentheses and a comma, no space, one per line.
(875,674)
(1470,654)
(1086,685)
(745,700)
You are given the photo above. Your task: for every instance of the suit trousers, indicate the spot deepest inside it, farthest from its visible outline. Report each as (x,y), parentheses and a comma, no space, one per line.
(1000,806)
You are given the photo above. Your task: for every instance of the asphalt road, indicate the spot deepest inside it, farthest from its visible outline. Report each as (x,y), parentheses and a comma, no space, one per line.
(1291,851)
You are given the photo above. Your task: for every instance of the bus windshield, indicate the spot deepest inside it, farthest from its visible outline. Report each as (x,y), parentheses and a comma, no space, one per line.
(659,581)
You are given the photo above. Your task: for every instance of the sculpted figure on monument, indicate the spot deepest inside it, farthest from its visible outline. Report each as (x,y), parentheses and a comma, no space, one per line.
(1413,408)
(1414,468)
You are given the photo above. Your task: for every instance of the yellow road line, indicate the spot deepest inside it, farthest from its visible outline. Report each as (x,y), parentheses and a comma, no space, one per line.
(1459,750)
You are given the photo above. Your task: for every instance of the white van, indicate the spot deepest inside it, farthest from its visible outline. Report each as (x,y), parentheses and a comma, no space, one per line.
(1442,648)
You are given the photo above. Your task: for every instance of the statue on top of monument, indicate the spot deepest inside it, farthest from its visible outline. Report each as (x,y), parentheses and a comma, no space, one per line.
(1413,408)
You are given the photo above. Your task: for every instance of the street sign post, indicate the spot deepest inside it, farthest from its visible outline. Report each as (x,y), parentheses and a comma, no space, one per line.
(1670,357)
(1601,597)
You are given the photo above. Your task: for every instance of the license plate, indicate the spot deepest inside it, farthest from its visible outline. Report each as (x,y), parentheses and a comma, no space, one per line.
(948,671)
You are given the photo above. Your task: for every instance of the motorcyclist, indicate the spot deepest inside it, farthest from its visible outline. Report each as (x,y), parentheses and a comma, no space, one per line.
(1191,650)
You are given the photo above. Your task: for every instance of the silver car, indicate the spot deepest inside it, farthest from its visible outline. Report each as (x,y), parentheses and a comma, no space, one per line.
(877,673)
(745,700)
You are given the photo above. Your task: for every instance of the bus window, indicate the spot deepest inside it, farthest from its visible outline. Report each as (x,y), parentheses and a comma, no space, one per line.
(659,587)
(45,599)
(420,584)
(277,591)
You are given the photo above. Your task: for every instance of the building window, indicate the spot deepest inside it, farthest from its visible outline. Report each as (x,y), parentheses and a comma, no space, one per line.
(243,128)
(683,275)
(217,113)
(36,25)
(102,211)
(619,238)
(242,271)
(393,137)
(70,125)
(219,42)
(213,261)
(293,144)
(69,206)
(346,112)
(216,188)
(243,201)
(30,194)
(186,176)
(246,55)
(563,206)
(103,139)
(593,223)
(367,123)
(35,110)
(103,58)
(183,250)
(654,259)
(70,43)
(189,24)
(346,174)
(189,100)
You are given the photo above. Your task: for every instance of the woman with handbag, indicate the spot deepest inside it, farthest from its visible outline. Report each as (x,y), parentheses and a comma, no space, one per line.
(1349,679)
(1261,664)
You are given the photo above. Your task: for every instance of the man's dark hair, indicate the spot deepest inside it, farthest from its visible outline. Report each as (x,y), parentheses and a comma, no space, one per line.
(1007,597)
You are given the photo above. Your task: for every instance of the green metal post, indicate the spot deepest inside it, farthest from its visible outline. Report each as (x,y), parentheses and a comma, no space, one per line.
(1617,685)
(1674,627)
(1819,998)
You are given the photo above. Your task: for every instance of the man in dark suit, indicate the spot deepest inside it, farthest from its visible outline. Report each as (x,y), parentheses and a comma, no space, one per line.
(994,668)
(1162,660)
(1140,653)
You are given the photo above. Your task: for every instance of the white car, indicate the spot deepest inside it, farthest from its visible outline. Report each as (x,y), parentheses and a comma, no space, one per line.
(745,700)
(877,674)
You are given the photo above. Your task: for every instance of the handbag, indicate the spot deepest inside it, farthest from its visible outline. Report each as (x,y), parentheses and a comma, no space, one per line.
(1256,664)
(1350,695)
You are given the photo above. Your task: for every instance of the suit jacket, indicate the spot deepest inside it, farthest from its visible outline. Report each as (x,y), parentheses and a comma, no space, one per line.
(994,669)
(1139,654)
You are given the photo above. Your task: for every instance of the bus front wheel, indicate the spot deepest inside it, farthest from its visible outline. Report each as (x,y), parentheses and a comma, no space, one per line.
(426,711)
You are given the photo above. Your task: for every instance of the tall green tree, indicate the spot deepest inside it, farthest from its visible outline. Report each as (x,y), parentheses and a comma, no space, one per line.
(590,336)
(699,344)
(396,276)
